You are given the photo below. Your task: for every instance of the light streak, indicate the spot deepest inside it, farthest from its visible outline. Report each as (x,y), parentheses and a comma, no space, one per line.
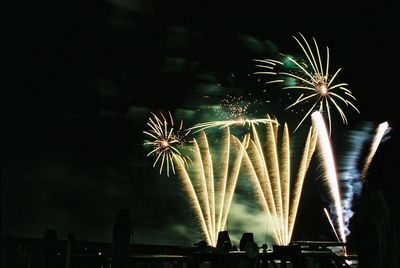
(380,132)
(329,169)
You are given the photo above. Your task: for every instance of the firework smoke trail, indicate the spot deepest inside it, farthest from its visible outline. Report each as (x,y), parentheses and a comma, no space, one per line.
(165,141)
(270,178)
(313,82)
(328,164)
(212,199)
(351,178)
(349,172)
(380,132)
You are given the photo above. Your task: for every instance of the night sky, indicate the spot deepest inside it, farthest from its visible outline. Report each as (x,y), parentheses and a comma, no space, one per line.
(85,75)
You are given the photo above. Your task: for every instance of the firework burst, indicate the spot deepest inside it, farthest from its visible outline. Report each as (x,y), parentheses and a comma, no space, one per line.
(311,79)
(166,141)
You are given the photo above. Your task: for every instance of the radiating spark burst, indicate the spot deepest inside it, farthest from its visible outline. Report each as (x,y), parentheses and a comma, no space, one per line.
(268,168)
(380,132)
(166,141)
(329,169)
(210,181)
(313,81)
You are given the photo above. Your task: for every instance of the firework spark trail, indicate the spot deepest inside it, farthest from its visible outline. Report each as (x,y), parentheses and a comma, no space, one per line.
(333,228)
(262,186)
(328,164)
(224,180)
(273,163)
(309,149)
(191,193)
(165,141)
(285,171)
(261,197)
(231,183)
(209,175)
(228,123)
(212,199)
(331,223)
(272,187)
(315,83)
(261,169)
(380,132)
(203,193)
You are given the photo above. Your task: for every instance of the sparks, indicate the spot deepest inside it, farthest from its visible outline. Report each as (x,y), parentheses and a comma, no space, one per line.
(234,111)
(316,86)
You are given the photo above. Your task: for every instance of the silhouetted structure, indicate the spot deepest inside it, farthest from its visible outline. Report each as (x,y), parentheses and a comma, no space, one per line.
(375,226)
(291,253)
(68,253)
(375,234)
(224,241)
(246,237)
(27,252)
(49,249)
(122,232)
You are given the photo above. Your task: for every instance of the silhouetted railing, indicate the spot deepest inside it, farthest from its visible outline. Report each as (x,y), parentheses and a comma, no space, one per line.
(29,253)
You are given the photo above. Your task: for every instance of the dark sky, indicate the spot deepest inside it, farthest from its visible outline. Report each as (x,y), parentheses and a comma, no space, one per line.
(85,75)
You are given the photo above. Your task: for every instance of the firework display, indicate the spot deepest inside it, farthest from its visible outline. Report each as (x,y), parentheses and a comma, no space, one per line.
(208,168)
